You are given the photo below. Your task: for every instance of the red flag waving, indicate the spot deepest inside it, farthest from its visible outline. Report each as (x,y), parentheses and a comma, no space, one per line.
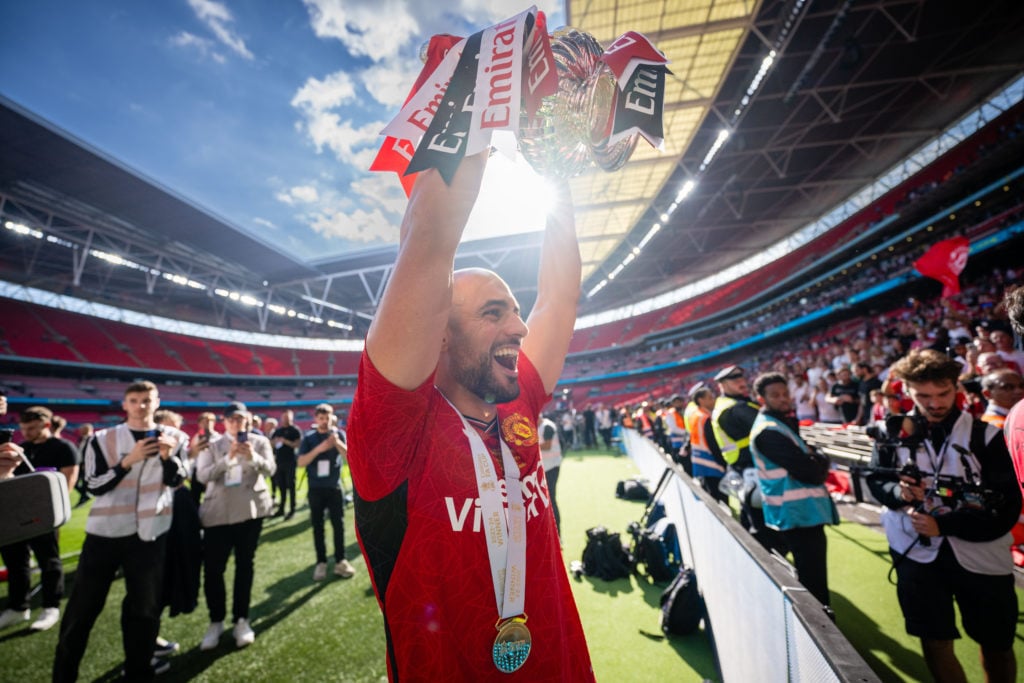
(944,262)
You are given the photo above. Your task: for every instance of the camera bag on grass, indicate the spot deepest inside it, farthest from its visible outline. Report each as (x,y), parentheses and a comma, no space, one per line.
(633,489)
(682,606)
(656,550)
(655,547)
(604,556)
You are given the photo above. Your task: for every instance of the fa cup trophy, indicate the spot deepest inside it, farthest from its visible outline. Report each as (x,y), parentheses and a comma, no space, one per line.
(569,102)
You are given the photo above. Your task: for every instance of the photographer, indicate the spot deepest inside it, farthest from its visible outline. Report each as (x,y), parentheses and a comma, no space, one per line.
(946,545)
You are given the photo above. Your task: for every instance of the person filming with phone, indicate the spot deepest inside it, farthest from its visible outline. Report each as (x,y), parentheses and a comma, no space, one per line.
(132,470)
(234,470)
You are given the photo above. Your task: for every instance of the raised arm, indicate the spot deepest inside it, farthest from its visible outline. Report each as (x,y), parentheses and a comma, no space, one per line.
(404,340)
(553,316)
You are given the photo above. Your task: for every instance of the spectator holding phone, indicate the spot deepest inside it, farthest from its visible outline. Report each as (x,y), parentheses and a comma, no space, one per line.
(205,436)
(234,471)
(132,470)
(321,453)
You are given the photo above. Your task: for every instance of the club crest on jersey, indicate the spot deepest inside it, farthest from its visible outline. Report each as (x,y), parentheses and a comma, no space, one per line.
(518,430)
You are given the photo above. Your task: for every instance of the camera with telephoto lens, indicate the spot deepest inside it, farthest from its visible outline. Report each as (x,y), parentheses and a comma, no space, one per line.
(906,431)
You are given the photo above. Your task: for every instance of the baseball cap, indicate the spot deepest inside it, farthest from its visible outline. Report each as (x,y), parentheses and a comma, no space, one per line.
(236,408)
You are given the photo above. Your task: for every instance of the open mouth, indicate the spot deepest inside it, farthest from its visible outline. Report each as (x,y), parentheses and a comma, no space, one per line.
(507,357)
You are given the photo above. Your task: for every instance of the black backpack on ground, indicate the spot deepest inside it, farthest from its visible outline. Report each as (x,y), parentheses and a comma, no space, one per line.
(604,556)
(633,489)
(682,606)
(656,549)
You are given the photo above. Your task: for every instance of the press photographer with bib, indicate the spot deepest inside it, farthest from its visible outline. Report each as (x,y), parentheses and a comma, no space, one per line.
(948,521)
(449,353)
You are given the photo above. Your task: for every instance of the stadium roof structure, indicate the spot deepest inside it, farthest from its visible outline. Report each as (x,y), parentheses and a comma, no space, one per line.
(776,112)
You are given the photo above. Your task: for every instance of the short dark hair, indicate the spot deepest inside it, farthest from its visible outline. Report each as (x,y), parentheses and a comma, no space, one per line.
(1014,303)
(143,386)
(764,381)
(927,365)
(324,409)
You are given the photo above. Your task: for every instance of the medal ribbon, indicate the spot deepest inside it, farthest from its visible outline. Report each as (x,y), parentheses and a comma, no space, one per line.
(505,532)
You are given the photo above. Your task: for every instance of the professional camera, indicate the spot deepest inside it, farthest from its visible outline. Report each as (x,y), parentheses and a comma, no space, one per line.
(955,492)
(907,431)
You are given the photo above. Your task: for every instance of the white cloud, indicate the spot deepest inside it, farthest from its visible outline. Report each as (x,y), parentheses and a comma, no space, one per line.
(316,100)
(368,211)
(383,29)
(358,226)
(305,194)
(389,83)
(265,223)
(377,29)
(217,18)
(204,47)
(382,190)
(331,92)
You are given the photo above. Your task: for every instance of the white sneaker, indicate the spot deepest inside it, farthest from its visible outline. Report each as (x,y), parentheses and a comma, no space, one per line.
(212,636)
(46,620)
(10,617)
(244,634)
(320,573)
(344,569)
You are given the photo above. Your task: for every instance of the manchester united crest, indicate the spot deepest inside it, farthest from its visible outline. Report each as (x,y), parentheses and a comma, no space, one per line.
(518,430)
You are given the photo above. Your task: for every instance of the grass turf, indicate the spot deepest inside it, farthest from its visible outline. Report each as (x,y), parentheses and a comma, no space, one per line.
(333,631)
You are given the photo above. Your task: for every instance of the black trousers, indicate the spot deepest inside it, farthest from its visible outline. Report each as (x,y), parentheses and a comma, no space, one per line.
(552,477)
(808,545)
(219,541)
(19,582)
(143,565)
(285,476)
(332,502)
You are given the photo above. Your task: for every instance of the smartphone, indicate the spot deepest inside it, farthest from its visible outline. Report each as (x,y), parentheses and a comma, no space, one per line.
(152,434)
(6,435)
(242,437)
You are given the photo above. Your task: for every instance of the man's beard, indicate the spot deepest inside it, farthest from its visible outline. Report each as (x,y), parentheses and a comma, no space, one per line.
(479,378)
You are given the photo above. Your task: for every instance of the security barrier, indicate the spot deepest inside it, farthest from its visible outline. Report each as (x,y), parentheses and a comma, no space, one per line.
(765,625)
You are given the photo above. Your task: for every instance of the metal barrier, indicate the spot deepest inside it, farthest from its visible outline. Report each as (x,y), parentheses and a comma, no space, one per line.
(766,626)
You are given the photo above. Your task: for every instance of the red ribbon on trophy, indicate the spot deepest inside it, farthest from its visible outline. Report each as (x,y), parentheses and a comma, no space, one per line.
(568,102)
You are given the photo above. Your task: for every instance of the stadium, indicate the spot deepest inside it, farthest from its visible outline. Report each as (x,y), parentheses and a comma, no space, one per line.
(814,152)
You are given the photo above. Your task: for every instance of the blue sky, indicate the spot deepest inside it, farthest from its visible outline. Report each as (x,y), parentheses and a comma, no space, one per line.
(264,112)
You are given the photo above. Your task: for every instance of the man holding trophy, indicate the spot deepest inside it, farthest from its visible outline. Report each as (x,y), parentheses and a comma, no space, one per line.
(452,508)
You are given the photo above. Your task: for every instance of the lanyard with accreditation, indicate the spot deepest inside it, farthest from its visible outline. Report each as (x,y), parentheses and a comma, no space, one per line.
(506,549)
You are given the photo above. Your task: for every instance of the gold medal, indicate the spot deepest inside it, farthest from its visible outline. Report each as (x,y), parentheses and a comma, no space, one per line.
(512,646)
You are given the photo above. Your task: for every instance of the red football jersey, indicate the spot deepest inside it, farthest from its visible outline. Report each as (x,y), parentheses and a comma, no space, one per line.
(418,523)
